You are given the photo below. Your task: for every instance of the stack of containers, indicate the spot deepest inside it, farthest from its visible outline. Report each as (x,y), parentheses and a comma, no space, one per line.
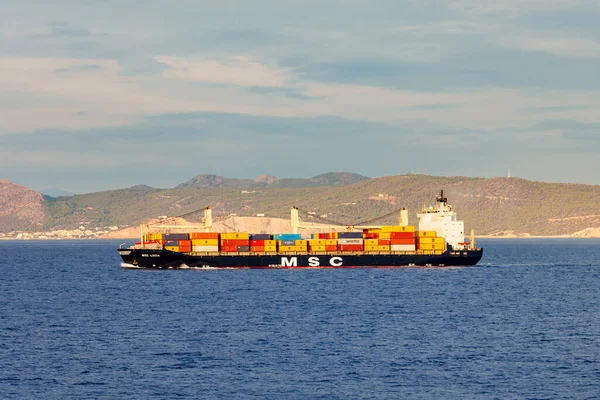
(398,238)
(350,241)
(232,242)
(156,237)
(317,245)
(205,242)
(318,236)
(262,243)
(287,242)
(428,242)
(177,242)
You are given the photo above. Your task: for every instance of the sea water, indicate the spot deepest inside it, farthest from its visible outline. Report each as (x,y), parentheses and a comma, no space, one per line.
(524,323)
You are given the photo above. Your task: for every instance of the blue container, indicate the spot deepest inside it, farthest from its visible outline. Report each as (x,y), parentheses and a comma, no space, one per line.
(350,235)
(289,236)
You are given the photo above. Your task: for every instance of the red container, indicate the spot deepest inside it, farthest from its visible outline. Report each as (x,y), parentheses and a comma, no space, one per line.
(330,247)
(257,248)
(371,235)
(402,235)
(235,242)
(384,242)
(402,241)
(185,243)
(257,243)
(350,247)
(229,248)
(204,235)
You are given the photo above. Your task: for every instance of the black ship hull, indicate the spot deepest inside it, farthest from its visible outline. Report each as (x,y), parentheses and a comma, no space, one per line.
(163,259)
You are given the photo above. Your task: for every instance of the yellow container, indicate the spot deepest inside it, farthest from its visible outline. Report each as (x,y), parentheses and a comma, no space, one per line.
(383,248)
(301,247)
(301,242)
(270,243)
(437,240)
(426,233)
(432,246)
(271,248)
(371,248)
(317,242)
(333,235)
(371,242)
(317,247)
(397,228)
(154,236)
(172,248)
(205,242)
(385,235)
(331,242)
(287,248)
(235,235)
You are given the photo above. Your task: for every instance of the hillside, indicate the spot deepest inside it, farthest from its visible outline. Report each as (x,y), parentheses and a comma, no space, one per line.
(20,208)
(268,181)
(490,206)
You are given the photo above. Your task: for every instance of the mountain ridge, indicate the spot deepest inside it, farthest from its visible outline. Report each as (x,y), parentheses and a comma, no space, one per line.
(491,206)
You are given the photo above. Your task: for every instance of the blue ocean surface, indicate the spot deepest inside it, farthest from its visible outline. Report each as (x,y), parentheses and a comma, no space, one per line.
(523,324)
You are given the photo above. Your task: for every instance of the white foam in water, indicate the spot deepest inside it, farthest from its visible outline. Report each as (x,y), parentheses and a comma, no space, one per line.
(129,266)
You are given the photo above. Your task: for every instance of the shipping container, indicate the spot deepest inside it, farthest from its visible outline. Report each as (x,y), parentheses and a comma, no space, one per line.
(403,247)
(384,247)
(261,236)
(371,247)
(350,241)
(384,242)
(204,235)
(287,248)
(175,236)
(235,236)
(287,236)
(257,249)
(272,248)
(235,242)
(426,233)
(317,242)
(331,247)
(256,242)
(402,235)
(398,228)
(331,235)
(287,242)
(402,241)
(172,248)
(432,246)
(172,243)
(243,248)
(438,240)
(205,242)
(205,249)
(350,247)
(350,235)
(371,242)
(317,247)
(385,235)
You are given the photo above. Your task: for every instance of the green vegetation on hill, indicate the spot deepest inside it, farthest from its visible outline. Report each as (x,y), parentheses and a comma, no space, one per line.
(486,205)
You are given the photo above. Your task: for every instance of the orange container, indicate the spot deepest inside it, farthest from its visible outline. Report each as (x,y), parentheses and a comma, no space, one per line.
(204,235)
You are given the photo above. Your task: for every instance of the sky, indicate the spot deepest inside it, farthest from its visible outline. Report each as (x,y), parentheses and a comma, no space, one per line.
(107,94)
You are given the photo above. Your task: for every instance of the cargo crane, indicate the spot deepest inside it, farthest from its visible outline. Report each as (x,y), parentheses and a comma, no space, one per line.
(206,224)
(295,221)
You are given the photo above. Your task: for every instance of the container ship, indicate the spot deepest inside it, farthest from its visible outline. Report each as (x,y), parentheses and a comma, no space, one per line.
(438,240)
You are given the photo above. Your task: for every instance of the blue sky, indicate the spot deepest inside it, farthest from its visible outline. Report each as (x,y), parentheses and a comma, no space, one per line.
(99,95)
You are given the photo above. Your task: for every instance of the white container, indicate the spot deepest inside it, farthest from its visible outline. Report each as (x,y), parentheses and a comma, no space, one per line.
(350,241)
(402,247)
(199,249)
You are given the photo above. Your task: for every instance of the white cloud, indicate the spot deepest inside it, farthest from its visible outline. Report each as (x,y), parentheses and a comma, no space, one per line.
(237,70)
(562,46)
